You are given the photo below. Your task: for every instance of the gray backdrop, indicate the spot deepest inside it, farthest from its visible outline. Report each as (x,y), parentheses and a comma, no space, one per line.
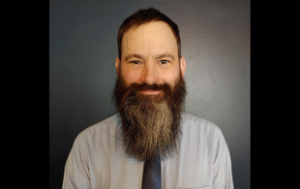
(215,38)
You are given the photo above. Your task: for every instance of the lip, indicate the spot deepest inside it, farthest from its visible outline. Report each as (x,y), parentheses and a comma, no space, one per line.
(151,92)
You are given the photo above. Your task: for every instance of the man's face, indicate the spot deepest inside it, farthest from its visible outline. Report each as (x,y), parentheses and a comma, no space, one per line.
(150,55)
(149,92)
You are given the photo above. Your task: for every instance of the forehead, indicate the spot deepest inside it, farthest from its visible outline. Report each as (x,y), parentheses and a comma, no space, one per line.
(151,37)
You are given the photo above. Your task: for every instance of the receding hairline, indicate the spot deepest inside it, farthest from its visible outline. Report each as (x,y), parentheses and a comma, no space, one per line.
(134,26)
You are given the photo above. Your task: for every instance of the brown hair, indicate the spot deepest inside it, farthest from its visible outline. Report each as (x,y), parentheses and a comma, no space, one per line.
(144,16)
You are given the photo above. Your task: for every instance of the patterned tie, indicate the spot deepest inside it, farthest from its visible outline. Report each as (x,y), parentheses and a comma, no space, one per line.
(152,174)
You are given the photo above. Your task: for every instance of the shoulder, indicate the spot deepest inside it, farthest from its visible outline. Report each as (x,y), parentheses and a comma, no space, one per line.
(196,124)
(100,131)
(110,122)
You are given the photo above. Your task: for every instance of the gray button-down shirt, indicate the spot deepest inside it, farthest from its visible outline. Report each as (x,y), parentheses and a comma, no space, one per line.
(97,159)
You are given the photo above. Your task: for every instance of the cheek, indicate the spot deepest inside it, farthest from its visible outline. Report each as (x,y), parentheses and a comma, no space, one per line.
(170,76)
(130,76)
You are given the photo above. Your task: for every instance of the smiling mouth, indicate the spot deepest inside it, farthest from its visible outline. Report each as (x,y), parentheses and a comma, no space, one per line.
(150,92)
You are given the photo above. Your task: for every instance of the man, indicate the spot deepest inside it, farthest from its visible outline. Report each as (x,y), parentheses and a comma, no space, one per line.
(149,97)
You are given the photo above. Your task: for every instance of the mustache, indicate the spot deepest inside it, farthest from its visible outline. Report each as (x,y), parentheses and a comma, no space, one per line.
(134,89)
(141,87)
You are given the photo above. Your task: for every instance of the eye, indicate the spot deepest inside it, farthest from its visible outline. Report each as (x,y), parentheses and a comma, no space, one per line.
(135,62)
(164,61)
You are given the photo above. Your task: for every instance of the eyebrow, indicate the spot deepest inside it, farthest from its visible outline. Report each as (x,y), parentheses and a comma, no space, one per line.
(133,56)
(156,57)
(165,55)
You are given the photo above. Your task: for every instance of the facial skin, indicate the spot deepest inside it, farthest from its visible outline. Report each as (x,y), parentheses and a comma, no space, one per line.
(150,55)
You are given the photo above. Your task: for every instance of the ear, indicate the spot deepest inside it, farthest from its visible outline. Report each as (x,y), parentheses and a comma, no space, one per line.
(182,66)
(117,64)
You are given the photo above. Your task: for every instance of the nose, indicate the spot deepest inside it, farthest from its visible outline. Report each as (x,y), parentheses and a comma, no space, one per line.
(150,74)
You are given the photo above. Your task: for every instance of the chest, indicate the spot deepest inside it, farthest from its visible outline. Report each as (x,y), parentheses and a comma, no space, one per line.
(121,172)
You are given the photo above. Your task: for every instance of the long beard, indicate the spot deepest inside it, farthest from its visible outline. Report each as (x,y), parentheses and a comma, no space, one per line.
(151,124)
